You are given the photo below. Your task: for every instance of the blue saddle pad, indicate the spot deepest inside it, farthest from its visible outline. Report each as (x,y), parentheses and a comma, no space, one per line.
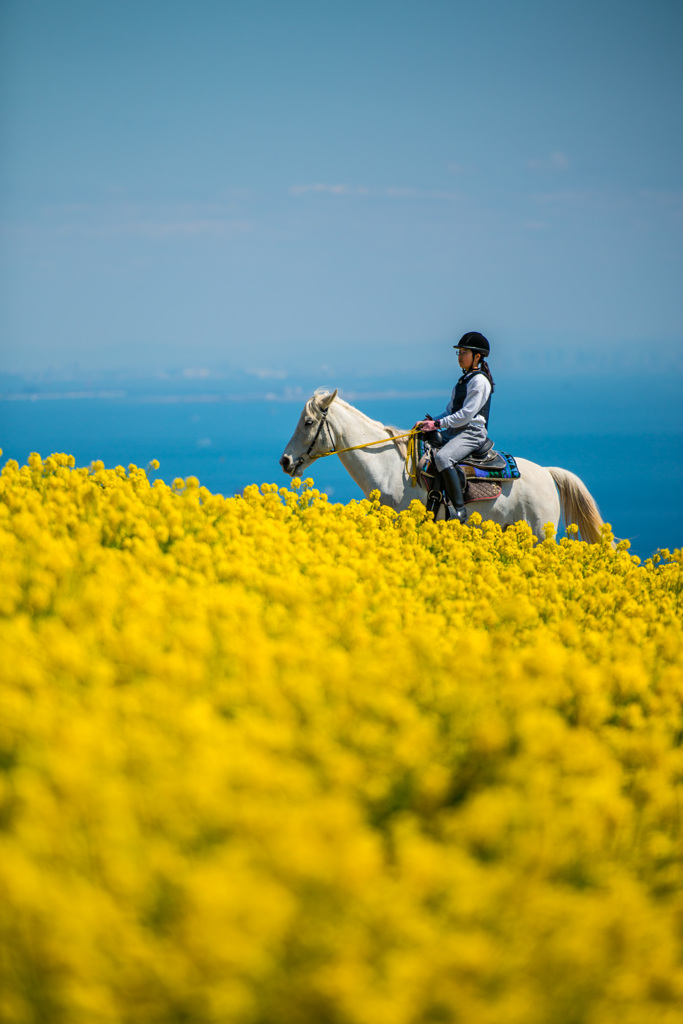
(508,472)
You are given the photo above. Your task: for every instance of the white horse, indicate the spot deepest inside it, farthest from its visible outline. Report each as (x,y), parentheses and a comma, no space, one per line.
(328,424)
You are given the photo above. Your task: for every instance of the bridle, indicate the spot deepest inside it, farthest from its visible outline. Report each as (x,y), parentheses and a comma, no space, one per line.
(323,422)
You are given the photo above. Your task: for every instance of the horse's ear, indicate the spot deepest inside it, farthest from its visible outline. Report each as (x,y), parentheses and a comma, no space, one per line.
(325,401)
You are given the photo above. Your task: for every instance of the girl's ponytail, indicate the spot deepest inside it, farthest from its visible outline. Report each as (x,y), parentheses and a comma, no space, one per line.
(484,367)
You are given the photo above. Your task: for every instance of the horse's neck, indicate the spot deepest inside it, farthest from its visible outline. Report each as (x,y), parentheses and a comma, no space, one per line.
(377,467)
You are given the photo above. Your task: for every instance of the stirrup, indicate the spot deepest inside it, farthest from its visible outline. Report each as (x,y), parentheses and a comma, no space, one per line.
(461,514)
(434,501)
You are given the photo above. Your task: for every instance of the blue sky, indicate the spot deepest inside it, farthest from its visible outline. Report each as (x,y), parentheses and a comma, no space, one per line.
(277,186)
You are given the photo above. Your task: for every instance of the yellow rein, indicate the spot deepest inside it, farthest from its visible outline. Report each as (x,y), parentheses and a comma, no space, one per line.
(411,454)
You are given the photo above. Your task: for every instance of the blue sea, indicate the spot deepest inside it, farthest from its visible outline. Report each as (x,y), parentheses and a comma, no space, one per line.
(629,460)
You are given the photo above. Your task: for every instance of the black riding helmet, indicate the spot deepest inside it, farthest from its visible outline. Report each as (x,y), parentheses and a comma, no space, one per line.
(474,341)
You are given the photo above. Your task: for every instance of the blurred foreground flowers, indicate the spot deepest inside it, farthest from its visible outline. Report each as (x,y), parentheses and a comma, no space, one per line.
(270,760)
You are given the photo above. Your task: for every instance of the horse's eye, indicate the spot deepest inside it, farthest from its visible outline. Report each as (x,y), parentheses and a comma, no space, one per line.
(309,423)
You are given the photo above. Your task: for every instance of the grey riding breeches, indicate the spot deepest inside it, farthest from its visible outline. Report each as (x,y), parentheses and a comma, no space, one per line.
(463,443)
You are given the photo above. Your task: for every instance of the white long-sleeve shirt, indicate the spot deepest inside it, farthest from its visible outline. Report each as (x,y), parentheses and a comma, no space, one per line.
(478,391)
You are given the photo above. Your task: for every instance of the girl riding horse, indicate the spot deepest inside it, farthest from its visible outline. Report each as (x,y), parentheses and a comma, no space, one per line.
(465,421)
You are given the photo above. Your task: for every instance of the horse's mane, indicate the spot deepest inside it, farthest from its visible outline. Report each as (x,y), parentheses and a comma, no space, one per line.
(312,406)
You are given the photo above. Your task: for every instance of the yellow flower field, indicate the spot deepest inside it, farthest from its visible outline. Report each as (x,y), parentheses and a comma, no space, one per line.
(271,760)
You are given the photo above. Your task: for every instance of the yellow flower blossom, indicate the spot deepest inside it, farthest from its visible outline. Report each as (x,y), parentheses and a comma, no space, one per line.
(271,758)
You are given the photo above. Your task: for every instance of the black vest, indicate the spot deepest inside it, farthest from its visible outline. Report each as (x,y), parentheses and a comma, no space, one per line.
(461,395)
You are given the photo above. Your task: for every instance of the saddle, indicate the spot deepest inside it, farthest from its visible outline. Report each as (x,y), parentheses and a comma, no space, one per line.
(480,472)
(483,457)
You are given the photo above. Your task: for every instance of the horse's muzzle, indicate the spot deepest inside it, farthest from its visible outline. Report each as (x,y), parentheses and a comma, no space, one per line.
(289,465)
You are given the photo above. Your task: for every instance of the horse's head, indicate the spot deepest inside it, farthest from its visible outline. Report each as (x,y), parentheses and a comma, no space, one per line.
(312,435)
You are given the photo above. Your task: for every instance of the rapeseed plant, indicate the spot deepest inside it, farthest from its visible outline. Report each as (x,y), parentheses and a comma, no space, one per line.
(268,758)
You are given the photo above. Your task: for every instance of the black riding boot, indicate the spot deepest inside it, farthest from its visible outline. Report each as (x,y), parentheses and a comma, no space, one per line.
(453,487)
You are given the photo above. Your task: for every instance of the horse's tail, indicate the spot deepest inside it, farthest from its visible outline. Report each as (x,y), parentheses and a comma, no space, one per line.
(578,505)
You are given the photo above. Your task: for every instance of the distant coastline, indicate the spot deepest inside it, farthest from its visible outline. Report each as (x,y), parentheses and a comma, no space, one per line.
(191,397)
